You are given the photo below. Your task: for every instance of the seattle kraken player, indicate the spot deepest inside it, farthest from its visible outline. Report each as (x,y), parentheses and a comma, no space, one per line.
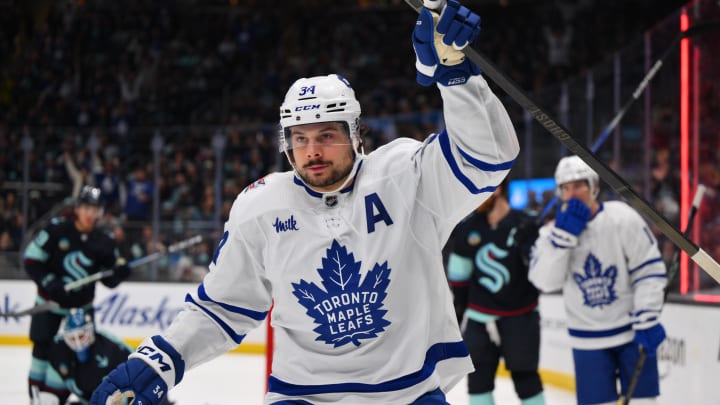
(607,263)
(487,270)
(67,249)
(79,358)
(347,246)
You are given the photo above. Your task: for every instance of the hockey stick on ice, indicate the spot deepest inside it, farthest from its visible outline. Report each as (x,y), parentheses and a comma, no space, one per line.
(639,90)
(672,273)
(624,400)
(45,306)
(699,256)
(175,247)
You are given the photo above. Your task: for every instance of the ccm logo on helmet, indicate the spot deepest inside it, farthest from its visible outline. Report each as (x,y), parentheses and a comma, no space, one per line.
(307,107)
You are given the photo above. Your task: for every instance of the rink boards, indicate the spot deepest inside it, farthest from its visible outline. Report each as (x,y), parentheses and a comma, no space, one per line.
(131,311)
(689,358)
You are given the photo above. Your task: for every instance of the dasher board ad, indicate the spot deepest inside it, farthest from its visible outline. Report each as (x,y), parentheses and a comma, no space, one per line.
(131,311)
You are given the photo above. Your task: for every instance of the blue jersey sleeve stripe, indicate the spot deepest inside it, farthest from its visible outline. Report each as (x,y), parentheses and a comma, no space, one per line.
(648,276)
(237,338)
(646,311)
(445,147)
(598,333)
(488,167)
(436,353)
(256,315)
(647,263)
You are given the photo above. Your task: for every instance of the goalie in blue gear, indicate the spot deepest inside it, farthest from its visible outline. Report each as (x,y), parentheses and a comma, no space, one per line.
(80,357)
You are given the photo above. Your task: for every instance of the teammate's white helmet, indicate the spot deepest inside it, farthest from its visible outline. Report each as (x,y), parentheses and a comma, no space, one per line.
(320,99)
(572,168)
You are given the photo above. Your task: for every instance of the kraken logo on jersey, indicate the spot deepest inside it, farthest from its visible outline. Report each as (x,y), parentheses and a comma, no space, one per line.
(598,286)
(496,272)
(346,310)
(75,264)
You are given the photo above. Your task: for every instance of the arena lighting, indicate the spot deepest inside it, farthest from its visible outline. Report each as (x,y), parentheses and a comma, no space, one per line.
(684,143)
(706,298)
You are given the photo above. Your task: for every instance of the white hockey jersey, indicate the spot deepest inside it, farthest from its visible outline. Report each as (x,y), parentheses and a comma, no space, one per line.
(612,282)
(362,310)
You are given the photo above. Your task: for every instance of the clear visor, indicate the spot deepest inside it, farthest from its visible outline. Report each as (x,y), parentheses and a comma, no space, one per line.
(318,134)
(79,339)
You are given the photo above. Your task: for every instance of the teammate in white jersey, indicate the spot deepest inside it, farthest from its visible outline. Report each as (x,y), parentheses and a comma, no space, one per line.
(607,263)
(347,246)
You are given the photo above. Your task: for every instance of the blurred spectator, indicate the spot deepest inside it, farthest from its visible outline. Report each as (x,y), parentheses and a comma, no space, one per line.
(6,242)
(139,196)
(123,71)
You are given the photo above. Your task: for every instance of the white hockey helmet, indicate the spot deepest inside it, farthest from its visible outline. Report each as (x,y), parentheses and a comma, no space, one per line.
(320,99)
(572,168)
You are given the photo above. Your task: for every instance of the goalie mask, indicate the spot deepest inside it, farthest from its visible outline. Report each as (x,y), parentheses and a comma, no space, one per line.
(572,168)
(321,99)
(78,332)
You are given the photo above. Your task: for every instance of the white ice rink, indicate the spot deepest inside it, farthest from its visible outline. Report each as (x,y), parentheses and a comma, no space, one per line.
(232,379)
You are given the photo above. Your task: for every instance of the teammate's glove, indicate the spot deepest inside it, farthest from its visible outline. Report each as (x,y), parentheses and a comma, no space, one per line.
(650,338)
(526,232)
(55,288)
(147,376)
(570,221)
(438,48)
(122,270)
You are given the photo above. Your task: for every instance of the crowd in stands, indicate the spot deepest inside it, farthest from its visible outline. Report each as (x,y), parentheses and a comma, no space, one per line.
(129,95)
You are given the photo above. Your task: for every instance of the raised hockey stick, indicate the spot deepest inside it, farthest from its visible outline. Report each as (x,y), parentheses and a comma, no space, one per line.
(175,247)
(698,255)
(694,30)
(45,306)
(672,273)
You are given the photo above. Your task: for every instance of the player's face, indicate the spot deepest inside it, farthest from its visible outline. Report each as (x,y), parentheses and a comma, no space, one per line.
(323,154)
(579,189)
(85,217)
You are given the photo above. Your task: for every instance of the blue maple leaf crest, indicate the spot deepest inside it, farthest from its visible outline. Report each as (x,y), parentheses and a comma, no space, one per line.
(346,310)
(598,286)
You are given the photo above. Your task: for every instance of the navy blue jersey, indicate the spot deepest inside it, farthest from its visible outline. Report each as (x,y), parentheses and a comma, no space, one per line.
(81,378)
(60,251)
(488,266)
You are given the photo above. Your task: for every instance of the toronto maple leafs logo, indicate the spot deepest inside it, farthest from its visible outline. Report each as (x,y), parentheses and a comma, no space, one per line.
(346,310)
(598,286)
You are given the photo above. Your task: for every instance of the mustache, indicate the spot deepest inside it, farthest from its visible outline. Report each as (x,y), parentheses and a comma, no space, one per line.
(315,162)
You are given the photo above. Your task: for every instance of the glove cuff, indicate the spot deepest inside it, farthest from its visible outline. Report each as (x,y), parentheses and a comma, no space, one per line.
(457,74)
(646,320)
(157,353)
(562,239)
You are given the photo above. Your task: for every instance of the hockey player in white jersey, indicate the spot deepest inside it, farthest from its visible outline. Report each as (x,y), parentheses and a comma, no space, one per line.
(607,263)
(346,246)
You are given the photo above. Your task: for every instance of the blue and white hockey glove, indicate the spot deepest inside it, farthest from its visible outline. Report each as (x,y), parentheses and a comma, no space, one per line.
(570,221)
(650,338)
(438,41)
(147,376)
